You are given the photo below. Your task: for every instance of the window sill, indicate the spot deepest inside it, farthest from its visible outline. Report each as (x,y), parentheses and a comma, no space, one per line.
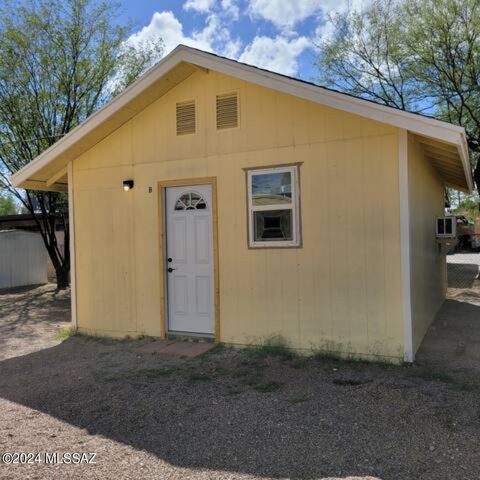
(273,245)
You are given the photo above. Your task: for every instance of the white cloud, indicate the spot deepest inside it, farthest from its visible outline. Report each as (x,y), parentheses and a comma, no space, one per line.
(224,7)
(230,8)
(278,54)
(217,36)
(285,14)
(164,25)
(203,6)
(214,37)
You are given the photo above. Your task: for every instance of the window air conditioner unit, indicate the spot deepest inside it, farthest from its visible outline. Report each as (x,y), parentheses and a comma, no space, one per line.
(446,234)
(446,227)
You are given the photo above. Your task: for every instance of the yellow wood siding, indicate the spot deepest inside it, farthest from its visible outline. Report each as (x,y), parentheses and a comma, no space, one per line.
(428,268)
(340,292)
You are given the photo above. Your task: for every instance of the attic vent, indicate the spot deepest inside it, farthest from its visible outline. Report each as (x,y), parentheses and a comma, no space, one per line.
(227,111)
(186,120)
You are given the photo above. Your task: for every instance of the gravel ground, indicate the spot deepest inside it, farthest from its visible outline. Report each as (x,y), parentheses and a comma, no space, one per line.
(30,318)
(228,414)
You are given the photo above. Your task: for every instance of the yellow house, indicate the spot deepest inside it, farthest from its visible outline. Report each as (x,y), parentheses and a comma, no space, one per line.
(216,199)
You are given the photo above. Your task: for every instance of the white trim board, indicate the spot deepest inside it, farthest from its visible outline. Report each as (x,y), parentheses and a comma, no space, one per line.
(293,206)
(71,227)
(124,106)
(405,246)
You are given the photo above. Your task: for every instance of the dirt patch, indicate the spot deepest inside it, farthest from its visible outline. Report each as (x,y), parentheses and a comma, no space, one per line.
(177,348)
(30,319)
(226,414)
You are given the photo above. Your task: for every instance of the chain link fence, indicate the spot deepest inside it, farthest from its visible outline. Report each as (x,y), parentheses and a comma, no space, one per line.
(463,265)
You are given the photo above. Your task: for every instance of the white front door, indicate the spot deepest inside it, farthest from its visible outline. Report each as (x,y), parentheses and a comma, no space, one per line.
(189,262)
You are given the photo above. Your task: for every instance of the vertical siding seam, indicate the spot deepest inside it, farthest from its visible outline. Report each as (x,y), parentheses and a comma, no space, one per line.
(133,233)
(299,298)
(71,226)
(384,269)
(405,244)
(365,243)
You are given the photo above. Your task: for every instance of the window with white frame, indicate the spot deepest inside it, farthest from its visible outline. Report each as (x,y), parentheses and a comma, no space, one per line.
(273,204)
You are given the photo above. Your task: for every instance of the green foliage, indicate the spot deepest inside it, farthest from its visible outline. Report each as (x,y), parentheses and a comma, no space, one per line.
(416,55)
(272,347)
(64,333)
(133,59)
(334,361)
(60,61)
(7,204)
(366,56)
(469,207)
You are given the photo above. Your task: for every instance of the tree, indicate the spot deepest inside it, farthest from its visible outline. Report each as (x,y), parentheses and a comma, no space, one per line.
(60,60)
(7,204)
(417,55)
(469,208)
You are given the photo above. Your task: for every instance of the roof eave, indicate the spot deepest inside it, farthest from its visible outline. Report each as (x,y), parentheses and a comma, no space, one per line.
(462,147)
(426,126)
(121,101)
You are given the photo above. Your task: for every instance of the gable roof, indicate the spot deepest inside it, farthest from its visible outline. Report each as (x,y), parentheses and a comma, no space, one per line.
(444,144)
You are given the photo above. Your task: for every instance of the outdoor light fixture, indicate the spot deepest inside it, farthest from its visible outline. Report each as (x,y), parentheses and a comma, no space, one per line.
(127,185)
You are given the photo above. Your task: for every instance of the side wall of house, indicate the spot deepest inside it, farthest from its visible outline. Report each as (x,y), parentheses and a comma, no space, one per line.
(339,292)
(428,268)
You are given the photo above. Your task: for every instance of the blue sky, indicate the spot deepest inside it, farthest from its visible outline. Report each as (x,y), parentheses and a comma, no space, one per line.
(279,35)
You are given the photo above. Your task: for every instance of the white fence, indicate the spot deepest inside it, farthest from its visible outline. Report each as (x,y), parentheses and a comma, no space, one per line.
(23,259)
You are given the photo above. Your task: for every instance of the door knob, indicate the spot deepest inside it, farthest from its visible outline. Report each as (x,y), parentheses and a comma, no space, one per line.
(169,259)
(170,269)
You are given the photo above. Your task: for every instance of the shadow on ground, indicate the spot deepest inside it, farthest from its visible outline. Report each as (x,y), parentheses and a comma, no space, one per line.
(231,413)
(452,343)
(267,417)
